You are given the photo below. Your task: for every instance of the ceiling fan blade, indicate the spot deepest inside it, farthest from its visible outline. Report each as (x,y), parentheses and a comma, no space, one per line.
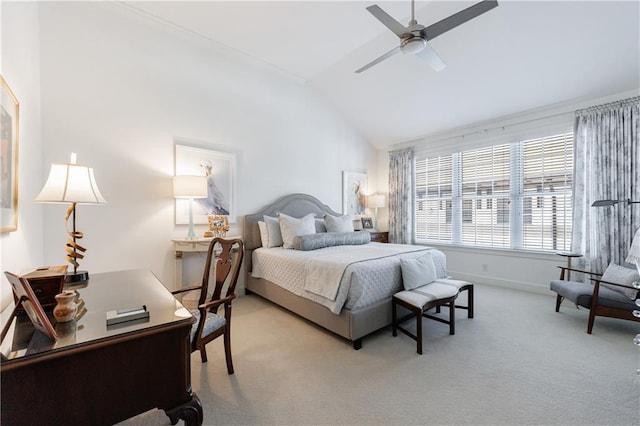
(382,16)
(433,31)
(430,56)
(380,59)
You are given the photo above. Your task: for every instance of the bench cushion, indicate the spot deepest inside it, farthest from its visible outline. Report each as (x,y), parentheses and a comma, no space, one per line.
(456,283)
(582,293)
(420,296)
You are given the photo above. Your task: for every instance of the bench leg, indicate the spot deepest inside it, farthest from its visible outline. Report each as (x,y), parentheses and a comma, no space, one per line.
(452,318)
(394,324)
(558,302)
(419,330)
(470,302)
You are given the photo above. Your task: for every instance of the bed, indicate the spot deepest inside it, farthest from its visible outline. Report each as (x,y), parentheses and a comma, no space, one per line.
(362,303)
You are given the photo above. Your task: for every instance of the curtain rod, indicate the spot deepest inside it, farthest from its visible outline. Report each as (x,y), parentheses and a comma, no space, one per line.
(610,105)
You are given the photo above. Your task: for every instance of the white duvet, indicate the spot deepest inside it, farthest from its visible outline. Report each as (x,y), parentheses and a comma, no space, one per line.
(350,276)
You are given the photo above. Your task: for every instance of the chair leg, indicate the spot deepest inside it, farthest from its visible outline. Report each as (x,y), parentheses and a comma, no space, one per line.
(558,302)
(470,302)
(203,353)
(227,350)
(592,318)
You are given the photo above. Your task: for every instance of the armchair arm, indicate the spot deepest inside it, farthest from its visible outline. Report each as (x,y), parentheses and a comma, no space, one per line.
(567,270)
(185,289)
(217,302)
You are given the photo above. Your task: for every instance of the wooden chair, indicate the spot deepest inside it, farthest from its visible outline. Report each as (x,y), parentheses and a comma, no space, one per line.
(228,255)
(600,300)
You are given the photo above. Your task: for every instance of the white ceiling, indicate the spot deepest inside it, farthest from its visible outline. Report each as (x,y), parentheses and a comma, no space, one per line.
(519,56)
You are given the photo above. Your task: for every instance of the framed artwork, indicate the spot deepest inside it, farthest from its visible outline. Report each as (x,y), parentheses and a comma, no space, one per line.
(24,293)
(220,170)
(367,223)
(9,120)
(354,191)
(218,225)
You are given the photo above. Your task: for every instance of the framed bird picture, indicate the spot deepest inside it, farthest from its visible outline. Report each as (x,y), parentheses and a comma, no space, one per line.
(220,169)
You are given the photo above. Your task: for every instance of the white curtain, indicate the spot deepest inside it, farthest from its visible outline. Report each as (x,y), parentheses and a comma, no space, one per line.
(607,167)
(400,199)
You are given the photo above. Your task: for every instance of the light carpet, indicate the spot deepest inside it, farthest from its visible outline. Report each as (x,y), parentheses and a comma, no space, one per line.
(518,362)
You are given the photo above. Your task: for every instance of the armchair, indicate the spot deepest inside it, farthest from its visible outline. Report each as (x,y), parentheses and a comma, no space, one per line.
(602,297)
(228,255)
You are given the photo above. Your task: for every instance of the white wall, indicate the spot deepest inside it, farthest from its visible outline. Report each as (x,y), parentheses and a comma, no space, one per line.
(21,251)
(119,89)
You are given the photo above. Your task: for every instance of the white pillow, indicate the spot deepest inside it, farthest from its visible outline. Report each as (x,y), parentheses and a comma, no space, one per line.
(418,272)
(621,275)
(338,223)
(270,232)
(292,227)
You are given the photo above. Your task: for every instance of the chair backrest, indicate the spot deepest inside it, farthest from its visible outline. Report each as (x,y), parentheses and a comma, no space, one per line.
(228,255)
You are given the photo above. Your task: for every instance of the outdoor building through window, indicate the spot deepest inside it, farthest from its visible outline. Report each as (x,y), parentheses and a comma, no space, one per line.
(505,196)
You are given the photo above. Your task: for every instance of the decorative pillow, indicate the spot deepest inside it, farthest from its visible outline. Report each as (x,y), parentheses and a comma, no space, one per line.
(270,232)
(292,227)
(338,223)
(418,272)
(621,275)
(330,239)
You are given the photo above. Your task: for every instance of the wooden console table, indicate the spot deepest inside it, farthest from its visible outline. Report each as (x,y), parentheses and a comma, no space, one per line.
(99,375)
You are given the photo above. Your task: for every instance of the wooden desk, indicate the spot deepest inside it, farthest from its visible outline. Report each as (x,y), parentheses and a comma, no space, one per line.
(97,375)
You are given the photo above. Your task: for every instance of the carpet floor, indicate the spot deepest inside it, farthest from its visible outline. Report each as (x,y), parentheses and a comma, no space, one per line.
(518,362)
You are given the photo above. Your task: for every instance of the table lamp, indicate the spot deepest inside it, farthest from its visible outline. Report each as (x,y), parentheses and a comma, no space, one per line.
(375,201)
(190,187)
(74,184)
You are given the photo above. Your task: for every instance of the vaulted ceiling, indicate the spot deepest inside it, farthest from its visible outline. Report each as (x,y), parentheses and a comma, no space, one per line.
(519,56)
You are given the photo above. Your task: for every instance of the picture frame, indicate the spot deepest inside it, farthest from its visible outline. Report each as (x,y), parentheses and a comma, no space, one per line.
(218,225)
(220,169)
(24,294)
(354,193)
(9,129)
(367,223)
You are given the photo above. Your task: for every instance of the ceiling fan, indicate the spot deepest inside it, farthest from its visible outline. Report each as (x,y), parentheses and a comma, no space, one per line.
(415,37)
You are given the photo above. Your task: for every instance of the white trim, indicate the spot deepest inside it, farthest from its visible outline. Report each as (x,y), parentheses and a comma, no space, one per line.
(507,129)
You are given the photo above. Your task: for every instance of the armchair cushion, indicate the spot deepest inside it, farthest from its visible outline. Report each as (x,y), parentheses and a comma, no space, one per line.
(621,275)
(212,323)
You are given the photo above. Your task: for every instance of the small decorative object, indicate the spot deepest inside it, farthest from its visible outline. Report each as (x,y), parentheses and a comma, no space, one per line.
(74,184)
(66,308)
(367,223)
(218,225)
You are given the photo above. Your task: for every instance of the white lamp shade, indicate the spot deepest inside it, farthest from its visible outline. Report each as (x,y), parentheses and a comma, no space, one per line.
(375,201)
(187,186)
(634,251)
(70,183)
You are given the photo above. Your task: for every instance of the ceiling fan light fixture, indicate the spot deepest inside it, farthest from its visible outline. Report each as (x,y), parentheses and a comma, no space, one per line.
(413,45)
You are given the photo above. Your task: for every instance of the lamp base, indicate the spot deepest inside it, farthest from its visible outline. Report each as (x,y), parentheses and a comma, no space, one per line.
(77,277)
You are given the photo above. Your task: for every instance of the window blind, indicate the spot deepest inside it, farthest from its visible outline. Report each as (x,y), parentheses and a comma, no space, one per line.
(510,195)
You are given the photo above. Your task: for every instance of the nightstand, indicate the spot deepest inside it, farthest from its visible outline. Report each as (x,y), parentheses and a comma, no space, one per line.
(379,237)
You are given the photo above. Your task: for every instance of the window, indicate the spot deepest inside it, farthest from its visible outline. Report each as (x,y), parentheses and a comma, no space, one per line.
(513,196)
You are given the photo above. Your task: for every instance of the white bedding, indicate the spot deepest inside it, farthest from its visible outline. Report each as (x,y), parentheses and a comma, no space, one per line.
(362,276)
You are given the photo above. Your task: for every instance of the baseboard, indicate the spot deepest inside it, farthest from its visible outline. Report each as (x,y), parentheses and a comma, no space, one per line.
(498,282)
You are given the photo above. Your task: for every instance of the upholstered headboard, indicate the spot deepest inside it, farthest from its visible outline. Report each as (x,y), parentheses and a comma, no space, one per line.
(294,205)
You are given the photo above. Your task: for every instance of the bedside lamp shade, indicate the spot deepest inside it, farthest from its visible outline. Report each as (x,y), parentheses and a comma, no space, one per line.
(187,186)
(75,184)
(375,201)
